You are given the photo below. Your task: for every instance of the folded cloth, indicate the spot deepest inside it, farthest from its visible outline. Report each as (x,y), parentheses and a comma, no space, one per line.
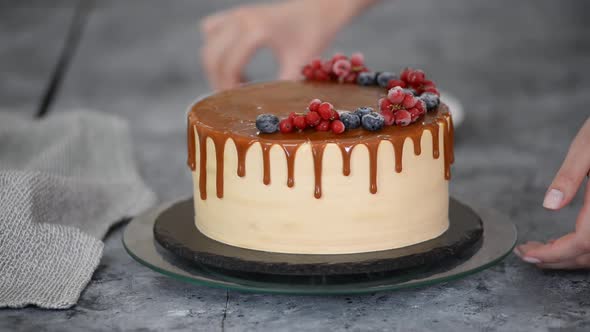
(64,181)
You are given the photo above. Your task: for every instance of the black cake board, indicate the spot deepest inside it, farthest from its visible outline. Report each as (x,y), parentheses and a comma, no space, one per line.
(175,230)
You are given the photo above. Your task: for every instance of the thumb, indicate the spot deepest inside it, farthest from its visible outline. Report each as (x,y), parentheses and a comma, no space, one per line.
(572,172)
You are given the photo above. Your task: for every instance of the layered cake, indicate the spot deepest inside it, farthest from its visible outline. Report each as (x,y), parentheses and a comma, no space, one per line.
(330,165)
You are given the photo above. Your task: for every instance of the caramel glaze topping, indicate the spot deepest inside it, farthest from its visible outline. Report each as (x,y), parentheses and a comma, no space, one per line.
(232,114)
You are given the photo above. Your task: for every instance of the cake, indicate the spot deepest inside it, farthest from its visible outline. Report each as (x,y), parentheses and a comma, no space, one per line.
(308,191)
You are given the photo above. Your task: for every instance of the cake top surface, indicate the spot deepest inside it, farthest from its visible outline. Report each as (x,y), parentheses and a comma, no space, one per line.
(234,112)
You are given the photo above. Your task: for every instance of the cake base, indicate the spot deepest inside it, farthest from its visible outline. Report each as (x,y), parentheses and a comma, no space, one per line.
(174,230)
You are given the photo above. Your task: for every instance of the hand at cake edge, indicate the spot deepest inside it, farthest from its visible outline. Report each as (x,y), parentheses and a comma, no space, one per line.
(571,251)
(231,37)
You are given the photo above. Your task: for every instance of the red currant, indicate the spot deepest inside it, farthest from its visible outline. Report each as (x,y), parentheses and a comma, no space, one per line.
(389,117)
(337,127)
(409,101)
(403,118)
(405,74)
(416,77)
(357,59)
(396,95)
(323,126)
(384,104)
(300,122)
(286,126)
(394,83)
(314,105)
(341,67)
(325,110)
(313,119)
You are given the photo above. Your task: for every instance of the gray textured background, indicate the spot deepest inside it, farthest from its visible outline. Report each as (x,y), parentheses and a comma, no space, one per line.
(520,67)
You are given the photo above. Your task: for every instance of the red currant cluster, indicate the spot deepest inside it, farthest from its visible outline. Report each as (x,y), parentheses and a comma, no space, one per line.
(401,107)
(414,79)
(320,115)
(339,68)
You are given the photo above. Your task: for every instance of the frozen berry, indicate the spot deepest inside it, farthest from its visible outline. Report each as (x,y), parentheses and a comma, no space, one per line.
(416,77)
(366,78)
(421,106)
(384,78)
(384,104)
(286,126)
(338,56)
(321,75)
(323,126)
(403,118)
(350,120)
(314,105)
(292,116)
(307,72)
(394,83)
(267,123)
(409,101)
(415,113)
(337,127)
(350,78)
(388,117)
(316,63)
(335,115)
(396,95)
(430,99)
(341,67)
(325,110)
(372,121)
(405,74)
(362,111)
(313,118)
(357,60)
(299,122)
(432,90)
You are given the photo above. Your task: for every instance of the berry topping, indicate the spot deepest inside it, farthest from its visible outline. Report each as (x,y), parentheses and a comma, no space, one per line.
(372,121)
(286,126)
(314,105)
(431,100)
(396,95)
(341,67)
(388,117)
(366,78)
(394,83)
(384,77)
(337,127)
(362,111)
(267,123)
(323,126)
(350,120)
(325,110)
(409,101)
(313,119)
(299,122)
(403,118)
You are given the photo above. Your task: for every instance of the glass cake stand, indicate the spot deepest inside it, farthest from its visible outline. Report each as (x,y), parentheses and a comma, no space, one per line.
(498,240)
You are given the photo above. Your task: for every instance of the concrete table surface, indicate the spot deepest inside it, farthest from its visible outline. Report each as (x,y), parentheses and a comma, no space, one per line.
(519,67)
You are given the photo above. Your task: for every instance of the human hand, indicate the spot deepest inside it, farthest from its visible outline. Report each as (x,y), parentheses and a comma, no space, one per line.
(571,251)
(295,30)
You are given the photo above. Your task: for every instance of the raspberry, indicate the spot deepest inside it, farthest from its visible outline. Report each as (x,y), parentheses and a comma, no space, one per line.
(337,127)
(300,122)
(409,101)
(357,60)
(389,118)
(286,126)
(394,83)
(403,118)
(341,67)
(405,74)
(416,77)
(396,95)
(325,110)
(307,72)
(314,105)
(321,75)
(335,115)
(415,113)
(384,104)
(323,126)
(312,119)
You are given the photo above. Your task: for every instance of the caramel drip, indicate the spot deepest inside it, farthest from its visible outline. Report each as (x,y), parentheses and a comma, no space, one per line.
(290,151)
(242,146)
(373,149)
(266,161)
(318,155)
(346,149)
(218,118)
(219,143)
(434,130)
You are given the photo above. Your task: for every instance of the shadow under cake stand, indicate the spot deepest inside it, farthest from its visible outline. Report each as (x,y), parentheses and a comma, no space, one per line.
(166,240)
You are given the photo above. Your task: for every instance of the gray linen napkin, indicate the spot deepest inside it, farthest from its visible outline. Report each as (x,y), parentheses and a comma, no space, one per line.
(64,181)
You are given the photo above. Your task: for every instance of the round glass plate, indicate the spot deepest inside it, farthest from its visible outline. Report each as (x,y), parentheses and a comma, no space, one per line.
(498,240)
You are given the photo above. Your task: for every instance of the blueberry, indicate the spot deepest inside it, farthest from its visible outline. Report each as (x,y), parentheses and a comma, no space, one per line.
(350,120)
(430,99)
(267,123)
(410,90)
(373,121)
(367,78)
(362,111)
(384,77)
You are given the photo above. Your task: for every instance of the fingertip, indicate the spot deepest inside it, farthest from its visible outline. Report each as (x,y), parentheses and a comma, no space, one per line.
(553,199)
